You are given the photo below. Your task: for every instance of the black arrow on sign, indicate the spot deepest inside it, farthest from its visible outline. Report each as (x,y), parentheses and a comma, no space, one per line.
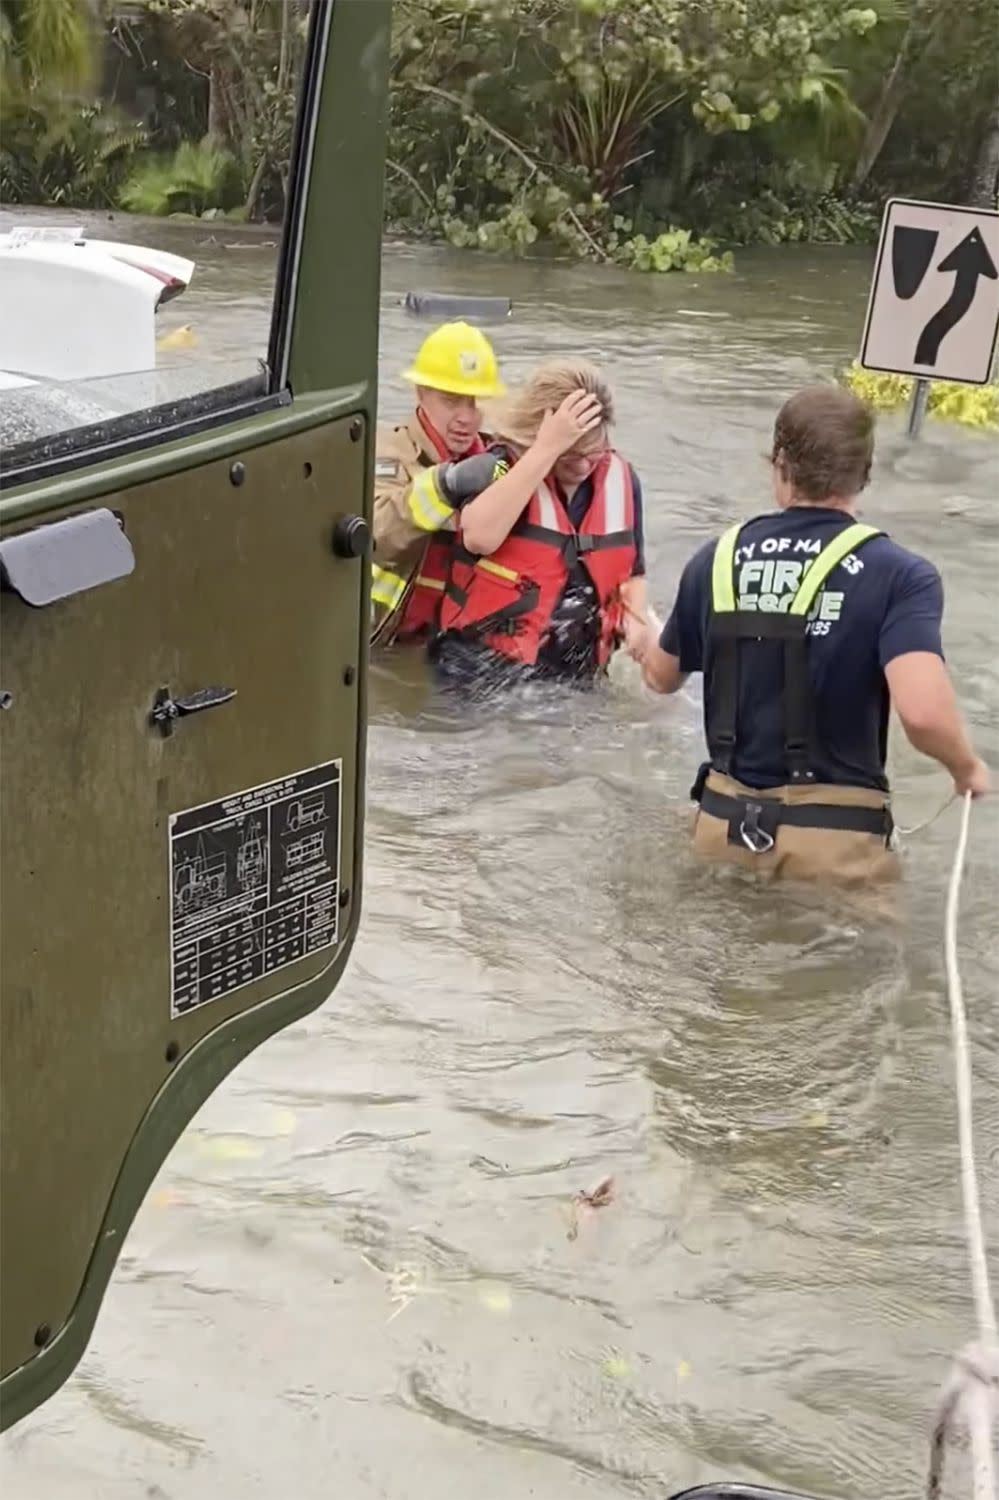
(911,252)
(968,260)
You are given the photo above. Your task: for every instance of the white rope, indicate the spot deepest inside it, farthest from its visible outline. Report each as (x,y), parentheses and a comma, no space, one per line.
(907,833)
(984,1307)
(970,1398)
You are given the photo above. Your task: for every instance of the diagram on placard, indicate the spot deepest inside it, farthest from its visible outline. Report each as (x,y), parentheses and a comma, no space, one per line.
(255,884)
(306,812)
(199,880)
(303,851)
(251,856)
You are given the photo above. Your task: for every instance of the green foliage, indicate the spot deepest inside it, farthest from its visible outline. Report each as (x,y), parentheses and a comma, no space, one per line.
(944,51)
(44,44)
(675,250)
(512,122)
(743,123)
(73,155)
(249,55)
(774,207)
(655,134)
(971,405)
(601,124)
(198,176)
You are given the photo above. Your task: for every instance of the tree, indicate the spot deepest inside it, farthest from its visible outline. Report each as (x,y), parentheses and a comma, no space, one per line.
(615,129)
(942,51)
(512,116)
(46,46)
(983,189)
(248,55)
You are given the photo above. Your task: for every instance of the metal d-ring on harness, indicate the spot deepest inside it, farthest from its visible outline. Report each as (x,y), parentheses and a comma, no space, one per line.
(756,839)
(754,823)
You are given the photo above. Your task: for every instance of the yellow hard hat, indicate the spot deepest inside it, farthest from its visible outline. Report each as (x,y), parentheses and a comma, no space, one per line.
(459,359)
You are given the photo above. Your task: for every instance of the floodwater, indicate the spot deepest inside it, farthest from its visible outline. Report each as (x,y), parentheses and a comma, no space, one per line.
(354,1275)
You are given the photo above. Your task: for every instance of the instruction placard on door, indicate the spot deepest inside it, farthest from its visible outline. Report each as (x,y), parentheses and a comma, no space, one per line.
(933,310)
(254,882)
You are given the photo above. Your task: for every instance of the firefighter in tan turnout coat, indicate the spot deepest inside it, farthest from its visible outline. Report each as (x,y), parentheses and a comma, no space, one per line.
(454,370)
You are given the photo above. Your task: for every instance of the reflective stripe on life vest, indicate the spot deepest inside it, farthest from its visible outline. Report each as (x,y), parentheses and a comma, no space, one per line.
(548,510)
(617,493)
(488,566)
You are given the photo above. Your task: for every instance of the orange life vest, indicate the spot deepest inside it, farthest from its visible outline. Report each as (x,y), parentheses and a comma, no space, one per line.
(419,613)
(507,600)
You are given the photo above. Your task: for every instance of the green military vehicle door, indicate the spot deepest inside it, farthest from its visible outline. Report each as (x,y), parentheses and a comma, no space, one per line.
(182,663)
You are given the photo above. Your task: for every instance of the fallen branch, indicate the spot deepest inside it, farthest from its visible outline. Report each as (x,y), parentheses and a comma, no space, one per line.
(472,116)
(407,176)
(597,1197)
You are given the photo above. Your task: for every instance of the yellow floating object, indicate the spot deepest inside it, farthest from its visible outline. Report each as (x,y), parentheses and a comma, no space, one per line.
(617,1367)
(229,1148)
(682,1370)
(496,1298)
(178,338)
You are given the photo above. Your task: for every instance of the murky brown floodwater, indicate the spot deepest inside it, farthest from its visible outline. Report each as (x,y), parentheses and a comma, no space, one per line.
(352,1276)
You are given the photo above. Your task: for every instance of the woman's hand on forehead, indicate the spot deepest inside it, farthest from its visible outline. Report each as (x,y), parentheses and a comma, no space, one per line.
(593,445)
(579,415)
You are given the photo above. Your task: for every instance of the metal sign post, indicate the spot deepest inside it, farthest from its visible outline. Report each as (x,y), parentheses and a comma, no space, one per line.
(933,309)
(917,408)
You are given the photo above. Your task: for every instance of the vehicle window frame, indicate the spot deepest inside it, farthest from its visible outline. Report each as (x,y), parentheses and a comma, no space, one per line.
(147,427)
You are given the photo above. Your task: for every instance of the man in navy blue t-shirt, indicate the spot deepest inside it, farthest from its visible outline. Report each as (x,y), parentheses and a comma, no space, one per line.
(807,625)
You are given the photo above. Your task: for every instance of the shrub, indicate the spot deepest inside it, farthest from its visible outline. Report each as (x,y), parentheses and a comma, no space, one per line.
(198,176)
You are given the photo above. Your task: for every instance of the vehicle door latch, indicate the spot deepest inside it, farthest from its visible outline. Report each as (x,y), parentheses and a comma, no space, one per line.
(167,710)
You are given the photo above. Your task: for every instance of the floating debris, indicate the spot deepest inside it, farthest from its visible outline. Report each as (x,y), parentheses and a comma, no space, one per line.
(601,1195)
(180,338)
(598,1197)
(405,1283)
(493,1168)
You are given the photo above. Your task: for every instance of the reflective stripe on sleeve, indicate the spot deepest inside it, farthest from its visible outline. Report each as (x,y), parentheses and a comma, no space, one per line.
(386,588)
(427,505)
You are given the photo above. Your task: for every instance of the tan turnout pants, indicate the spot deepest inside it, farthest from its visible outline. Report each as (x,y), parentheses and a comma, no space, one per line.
(843,856)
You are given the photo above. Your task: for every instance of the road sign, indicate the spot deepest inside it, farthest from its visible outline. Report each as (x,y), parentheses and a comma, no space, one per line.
(933,310)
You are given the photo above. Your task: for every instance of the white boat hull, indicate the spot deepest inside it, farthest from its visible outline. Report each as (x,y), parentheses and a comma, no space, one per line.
(75,309)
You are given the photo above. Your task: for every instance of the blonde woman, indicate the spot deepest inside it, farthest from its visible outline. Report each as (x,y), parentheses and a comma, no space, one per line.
(547,574)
